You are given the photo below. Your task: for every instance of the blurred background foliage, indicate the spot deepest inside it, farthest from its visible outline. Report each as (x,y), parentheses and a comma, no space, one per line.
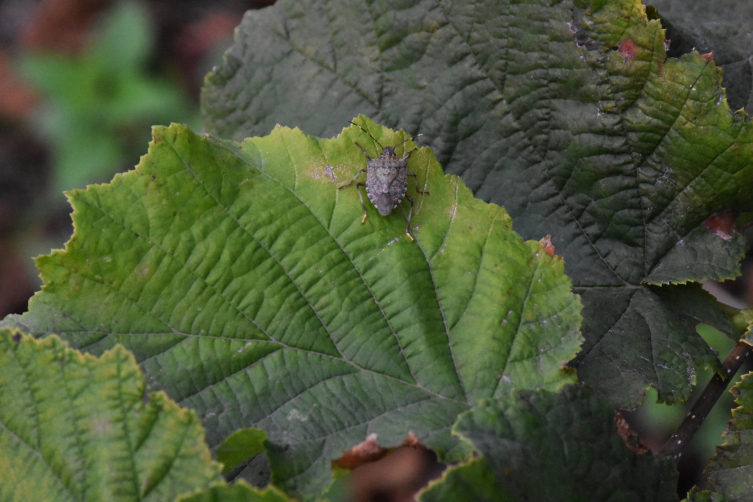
(81,84)
(98,106)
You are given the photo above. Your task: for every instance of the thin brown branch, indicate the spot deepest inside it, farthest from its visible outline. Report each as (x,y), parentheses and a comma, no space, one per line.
(694,419)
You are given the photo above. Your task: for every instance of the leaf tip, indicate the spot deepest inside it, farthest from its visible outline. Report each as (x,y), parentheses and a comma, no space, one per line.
(709,57)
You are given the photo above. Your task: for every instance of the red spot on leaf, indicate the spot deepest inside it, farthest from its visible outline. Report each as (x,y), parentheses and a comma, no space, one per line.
(709,57)
(722,224)
(628,49)
(548,246)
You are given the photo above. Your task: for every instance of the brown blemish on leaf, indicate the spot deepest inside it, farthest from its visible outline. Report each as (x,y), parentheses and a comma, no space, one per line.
(362,453)
(548,246)
(629,437)
(401,475)
(722,224)
(370,451)
(709,57)
(16,337)
(628,49)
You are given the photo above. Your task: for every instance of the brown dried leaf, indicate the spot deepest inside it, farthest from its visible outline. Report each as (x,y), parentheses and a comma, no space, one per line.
(363,453)
(630,437)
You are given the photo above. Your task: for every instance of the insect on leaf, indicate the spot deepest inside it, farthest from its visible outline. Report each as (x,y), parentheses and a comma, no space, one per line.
(246,286)
(567,113)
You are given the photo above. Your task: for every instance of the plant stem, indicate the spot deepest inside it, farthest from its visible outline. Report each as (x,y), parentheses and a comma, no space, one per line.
(694,419)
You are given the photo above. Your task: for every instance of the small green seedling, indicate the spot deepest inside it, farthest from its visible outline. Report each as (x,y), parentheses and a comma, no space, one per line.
(386,180)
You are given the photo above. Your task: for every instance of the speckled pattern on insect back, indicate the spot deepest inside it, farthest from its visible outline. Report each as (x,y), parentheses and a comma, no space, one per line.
(386,180)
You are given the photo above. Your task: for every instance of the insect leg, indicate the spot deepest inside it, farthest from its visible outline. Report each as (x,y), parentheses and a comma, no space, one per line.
(358,188)
(410,213)
(417,190)
(372,137)
(407,154)
(354,179)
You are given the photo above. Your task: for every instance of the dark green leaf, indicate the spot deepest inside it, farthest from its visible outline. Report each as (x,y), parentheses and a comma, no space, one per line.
(544,446)
(567,114)
(722,28)
(633,329)
(473,482)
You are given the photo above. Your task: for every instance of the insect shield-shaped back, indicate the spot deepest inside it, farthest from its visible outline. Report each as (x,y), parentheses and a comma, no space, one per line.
(386,180)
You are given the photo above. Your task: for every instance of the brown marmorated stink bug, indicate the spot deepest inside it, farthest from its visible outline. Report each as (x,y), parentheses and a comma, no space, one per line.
(386,180)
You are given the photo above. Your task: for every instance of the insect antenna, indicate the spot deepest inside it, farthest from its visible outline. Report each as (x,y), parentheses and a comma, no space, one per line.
(367,132)
(378,143)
